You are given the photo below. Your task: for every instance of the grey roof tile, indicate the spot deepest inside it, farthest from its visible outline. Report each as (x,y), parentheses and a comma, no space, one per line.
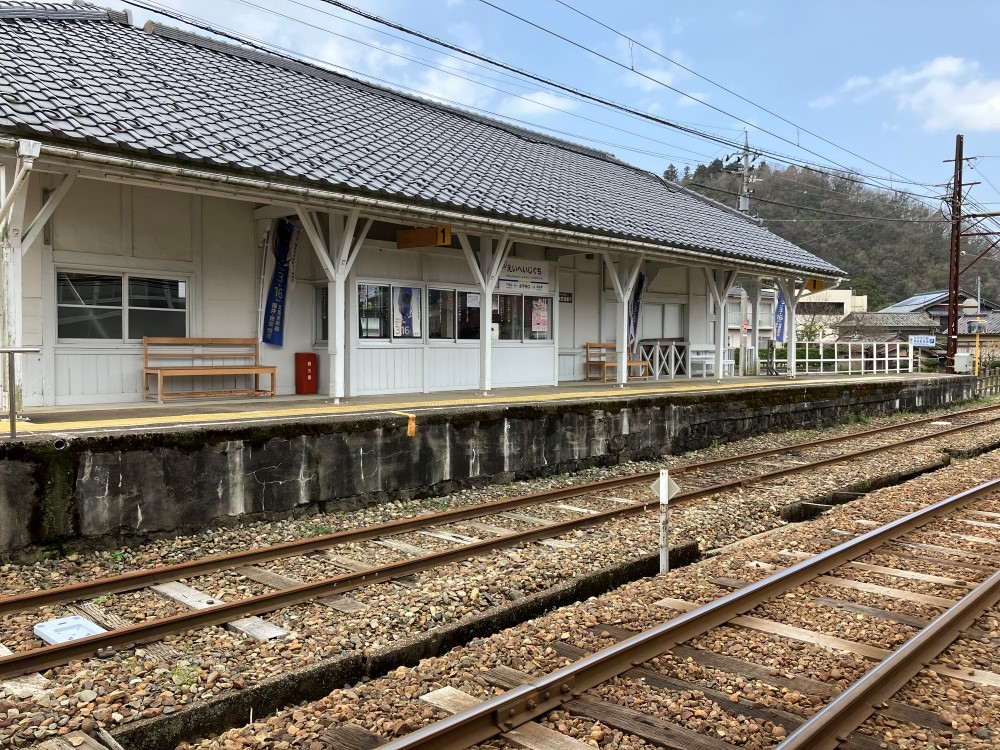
(192,99)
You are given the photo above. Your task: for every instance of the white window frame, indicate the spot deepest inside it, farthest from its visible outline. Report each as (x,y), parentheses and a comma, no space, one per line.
(125,275)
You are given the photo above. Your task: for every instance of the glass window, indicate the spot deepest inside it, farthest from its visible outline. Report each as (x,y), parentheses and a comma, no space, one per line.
(507,317)
(89,306)
(468,315)
(406,312)
(373,311)
(93,306)
(537,318)
(441,314)
(322,307)
(156,307)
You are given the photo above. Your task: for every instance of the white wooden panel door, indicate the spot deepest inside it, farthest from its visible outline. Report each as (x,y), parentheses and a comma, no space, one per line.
(652,322)
(673,321)
(586,310)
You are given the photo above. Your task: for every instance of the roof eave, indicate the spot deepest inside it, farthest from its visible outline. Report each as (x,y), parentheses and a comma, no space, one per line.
(242,186)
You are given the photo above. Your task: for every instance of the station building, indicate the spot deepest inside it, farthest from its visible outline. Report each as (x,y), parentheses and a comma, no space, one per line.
(159,183)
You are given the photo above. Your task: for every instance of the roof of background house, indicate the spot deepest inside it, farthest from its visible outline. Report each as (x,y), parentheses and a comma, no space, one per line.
(81,75)
(889,320)
(990,319)
(929,299)
(916,302)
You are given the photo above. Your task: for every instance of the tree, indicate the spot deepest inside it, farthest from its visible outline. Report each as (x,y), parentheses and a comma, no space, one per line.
(687,173)
(837,217)
(670,173)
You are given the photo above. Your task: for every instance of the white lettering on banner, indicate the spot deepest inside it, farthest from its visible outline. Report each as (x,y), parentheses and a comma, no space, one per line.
(520,275)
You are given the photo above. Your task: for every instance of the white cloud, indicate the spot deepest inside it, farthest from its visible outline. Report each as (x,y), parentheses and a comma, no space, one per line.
(450,89)
(692,98)
(466,35)
(536,104)
(376,60)
(946,93)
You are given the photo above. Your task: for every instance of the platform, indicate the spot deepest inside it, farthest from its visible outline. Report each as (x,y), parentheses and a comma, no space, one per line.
(118,474)
(147,416)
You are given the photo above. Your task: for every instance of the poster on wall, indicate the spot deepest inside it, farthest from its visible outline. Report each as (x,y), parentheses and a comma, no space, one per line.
(540,316)
(286,243)
(406,312)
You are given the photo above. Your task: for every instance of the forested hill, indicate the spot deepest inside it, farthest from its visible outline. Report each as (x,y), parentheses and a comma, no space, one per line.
(889,260)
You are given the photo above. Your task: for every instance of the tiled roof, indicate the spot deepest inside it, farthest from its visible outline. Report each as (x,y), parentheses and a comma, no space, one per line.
(888,320)
(989,322)
(79,75)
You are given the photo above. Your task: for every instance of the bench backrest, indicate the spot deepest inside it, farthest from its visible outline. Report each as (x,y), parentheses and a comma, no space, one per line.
(157,349)
(601,352)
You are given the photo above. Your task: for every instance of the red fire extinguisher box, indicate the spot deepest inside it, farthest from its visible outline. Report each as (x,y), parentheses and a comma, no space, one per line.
(305,373)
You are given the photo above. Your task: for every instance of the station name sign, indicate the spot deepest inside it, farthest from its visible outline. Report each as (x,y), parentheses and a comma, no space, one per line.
(520,275)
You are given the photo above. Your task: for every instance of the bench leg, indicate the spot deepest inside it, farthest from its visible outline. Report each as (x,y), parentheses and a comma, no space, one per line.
(159,387)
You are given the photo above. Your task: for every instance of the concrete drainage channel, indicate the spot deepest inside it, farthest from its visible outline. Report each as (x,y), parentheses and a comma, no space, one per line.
(216,715)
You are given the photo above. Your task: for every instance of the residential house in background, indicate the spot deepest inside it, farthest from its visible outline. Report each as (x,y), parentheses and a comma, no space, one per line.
(935,304)
(884,326)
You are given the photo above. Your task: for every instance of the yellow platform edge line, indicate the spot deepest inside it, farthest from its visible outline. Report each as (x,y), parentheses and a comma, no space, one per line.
(337,409)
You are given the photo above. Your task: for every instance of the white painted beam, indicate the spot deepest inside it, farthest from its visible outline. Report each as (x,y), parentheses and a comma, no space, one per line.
(38,223)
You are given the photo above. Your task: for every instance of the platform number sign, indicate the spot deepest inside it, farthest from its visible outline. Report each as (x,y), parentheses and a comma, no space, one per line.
(439,236)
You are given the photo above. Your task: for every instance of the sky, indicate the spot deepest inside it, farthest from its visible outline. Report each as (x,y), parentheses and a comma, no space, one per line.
(878,87)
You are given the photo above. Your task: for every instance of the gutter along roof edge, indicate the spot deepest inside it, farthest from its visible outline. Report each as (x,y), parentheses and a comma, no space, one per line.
(118,168)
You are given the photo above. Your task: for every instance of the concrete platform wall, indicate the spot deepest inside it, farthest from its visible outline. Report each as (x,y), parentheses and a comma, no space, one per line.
(116,490)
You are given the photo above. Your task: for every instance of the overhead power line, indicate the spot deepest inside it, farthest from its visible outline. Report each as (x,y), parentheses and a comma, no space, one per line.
(824,211)
(752,103)
(286,53)
(658,82)
(204,25)
(731,144)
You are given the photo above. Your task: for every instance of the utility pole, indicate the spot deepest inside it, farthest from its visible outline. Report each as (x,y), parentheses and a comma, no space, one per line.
(745,192)
(956,238)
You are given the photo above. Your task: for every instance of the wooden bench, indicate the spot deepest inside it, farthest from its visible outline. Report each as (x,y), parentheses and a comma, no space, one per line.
(603,357)
(168,357)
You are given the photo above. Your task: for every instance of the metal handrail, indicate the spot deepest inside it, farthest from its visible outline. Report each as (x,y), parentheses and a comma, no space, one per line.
(10,351)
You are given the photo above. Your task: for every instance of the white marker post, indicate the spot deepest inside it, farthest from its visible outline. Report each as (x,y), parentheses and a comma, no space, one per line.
(666,489)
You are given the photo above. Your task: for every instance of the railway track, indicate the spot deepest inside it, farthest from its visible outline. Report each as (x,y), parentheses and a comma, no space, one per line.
(391,553)
(773,606)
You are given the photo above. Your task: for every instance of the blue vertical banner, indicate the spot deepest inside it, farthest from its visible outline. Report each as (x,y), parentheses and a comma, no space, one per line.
(285,245)
(634,308)
(779,319)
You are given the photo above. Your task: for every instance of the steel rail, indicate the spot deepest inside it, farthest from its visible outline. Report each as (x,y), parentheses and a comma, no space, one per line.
(826,728)
(58,654)
(522,704)
(55,655)
(148,577)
